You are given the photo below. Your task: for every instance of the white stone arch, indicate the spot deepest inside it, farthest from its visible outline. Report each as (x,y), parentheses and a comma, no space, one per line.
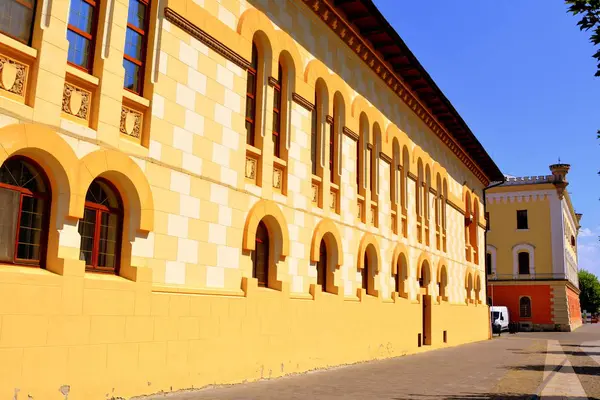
(492,251)
(519,248)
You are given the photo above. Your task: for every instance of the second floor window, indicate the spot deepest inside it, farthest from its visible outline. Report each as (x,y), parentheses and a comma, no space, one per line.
(523,259)
(277,114)
(134,58)
(251,97)
(17,19)
(313,135)
(522,219)
(488,263)
(80,33)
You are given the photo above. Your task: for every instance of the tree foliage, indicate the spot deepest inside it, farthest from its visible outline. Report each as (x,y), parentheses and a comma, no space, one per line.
(590,291)
(589,11)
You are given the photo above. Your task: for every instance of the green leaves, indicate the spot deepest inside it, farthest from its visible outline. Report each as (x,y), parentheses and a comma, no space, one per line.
(590,291)
(590,20)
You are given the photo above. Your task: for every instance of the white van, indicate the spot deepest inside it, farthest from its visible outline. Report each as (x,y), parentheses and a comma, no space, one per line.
(499,318)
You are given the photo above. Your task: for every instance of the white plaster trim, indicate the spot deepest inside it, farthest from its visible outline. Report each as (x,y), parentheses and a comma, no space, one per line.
(557,235)
(157,41)
(530,249)
(108,23)
(492,250)
(521,196)
(46,13)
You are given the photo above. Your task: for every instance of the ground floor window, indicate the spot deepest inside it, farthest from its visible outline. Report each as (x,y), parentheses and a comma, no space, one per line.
(525,307)
(260,256)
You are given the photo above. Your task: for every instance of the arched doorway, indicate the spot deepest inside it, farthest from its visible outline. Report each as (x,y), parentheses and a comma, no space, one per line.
(322,266)
(260,256)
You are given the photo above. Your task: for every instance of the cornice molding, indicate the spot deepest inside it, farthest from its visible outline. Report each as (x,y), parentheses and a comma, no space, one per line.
(385,157)
(302,102)
(341,27)
(482,226)
(272,81)
(351,134)
(412,176)
(329,119)
(455,206)
(181,22)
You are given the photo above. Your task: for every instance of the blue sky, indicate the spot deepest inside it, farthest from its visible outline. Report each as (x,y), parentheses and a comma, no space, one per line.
(521,75)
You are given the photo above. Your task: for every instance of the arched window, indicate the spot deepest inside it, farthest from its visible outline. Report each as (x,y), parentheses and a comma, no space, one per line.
(332,143)
(401,275)
(251,86)
(419,200)
(438,212)
(444,199)
(443,283)
(525,307)
(322,266)
(314,135)
(101,227)
(260,256)
(474,236)
(488,263)
(523,258)
(81,33)
(277,113)
(136,39)
(24,204)
(469,287)
(17,19)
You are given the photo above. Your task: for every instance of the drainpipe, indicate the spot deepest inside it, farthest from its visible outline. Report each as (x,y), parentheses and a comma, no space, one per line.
(485,245)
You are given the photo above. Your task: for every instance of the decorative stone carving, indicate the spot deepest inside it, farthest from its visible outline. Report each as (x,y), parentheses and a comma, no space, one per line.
(76,101)
(13,75)
(131,122)
(315,193)
(373,213)
(333,204)
(277,175)
(250,168)
(359,212)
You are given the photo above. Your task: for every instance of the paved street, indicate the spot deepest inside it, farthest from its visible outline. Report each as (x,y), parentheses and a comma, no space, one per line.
(550,365)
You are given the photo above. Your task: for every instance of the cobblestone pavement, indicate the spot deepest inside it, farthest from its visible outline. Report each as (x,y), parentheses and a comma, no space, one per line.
(543,366)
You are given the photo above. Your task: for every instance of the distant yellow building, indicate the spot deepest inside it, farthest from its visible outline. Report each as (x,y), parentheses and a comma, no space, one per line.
(531,255)
(202,191)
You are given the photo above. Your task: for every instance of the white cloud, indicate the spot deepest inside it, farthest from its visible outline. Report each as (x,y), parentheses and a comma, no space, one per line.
(586,232)
(589,255)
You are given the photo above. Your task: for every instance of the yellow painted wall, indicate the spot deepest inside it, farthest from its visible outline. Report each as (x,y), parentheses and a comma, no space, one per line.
(184,311)
(504,234)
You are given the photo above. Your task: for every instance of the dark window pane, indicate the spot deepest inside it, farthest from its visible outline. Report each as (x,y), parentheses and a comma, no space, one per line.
(87,229)
(523,263)
(17,172)
(249,133)
(133,44)
(260,259)
(250,84)
(81,15)
(250,108)
(107,244)
(522,219)
(132,72)
(16,20)
(137,14)
(79,50)
(9,210)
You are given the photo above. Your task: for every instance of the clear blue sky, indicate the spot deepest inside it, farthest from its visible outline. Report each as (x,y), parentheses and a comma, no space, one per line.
(521,75)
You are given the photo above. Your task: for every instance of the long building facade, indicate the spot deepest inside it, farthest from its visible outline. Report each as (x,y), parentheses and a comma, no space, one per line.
(531,254)
(199,191)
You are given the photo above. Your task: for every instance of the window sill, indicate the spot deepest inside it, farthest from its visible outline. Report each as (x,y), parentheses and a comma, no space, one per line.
(278,161)
(316,178)
(334,186)
(253,150)
(134,98)
(16,46)
(521,230)
(82,76)
(206,292)
(11,273)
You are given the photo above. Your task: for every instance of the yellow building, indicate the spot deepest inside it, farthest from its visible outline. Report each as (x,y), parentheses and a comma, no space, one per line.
(531,255)
(202,191)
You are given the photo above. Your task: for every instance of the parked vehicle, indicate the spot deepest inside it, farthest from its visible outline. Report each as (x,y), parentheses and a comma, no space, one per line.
(499,318)
(594,319)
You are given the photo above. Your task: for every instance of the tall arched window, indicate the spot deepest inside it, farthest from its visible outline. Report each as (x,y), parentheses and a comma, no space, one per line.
(17,19)
(322,266)
(24,205)
(468,222)
(475,230)
(81,33)
(438,212)
(136,40)
(332,143)
(260,256)
(365,273)
(523,258)
(444,224)
(525,307)
(101,227)
(443,283)
(488,263)
(277,113)
(401,275)
(251,84)
(419,200)
(314,135)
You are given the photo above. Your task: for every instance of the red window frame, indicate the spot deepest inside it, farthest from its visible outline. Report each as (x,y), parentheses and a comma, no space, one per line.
(261,230)
(23,192)
(144,33)
(32,6)
(91,37)
(332,147)
(100,210)
(277,114)
(251,96)
(313,135)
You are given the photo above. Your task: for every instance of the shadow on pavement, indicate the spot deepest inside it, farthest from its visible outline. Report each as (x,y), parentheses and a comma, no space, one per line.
(489,396)
(578,370)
